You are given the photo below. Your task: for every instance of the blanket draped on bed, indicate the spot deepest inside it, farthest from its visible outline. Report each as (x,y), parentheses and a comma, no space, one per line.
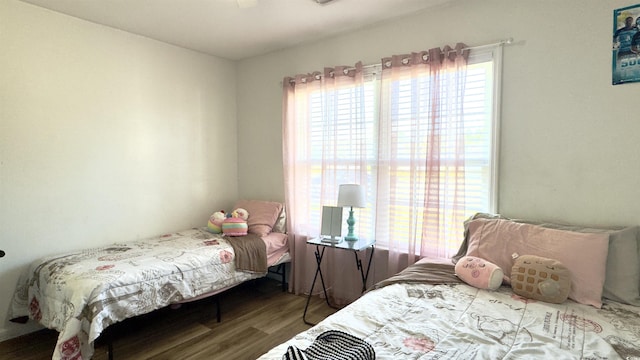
(424,273)
(334,345)
(250,251)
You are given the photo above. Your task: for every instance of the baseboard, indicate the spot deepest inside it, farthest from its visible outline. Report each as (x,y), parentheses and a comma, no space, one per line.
(18,330)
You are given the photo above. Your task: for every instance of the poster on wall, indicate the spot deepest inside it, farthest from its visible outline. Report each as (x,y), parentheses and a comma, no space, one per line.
(626,45)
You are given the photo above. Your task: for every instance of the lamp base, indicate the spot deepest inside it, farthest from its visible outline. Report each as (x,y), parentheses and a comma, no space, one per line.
(351,221)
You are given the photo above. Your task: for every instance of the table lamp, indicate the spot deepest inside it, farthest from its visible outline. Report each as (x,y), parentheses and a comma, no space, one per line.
(351,195)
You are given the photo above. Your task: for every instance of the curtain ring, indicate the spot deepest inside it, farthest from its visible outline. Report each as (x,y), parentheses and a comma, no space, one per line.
(405,61)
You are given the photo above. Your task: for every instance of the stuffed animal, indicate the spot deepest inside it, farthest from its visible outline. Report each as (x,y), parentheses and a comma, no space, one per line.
(240,213)
(539,278)
(236,223)
(215,222)
(479,273)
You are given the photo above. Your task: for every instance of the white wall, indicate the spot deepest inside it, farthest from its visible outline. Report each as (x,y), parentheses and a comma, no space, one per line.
(104,136)
(570,145)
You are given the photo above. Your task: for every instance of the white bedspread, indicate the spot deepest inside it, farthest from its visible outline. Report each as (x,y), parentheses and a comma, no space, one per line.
(418,321)
(82,293)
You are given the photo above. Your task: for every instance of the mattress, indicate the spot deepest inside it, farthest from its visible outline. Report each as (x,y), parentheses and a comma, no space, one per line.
(81,293)
(457,321)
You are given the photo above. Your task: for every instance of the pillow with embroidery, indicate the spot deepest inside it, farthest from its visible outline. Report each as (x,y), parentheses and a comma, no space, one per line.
(479,273)
(540,278)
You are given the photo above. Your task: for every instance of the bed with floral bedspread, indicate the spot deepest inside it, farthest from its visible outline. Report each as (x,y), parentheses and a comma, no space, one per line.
(414,320)
(81,293)
(427,312)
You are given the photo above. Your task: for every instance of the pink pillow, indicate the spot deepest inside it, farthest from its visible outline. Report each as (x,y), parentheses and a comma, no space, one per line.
(584,254)
(262,215)
(479,273)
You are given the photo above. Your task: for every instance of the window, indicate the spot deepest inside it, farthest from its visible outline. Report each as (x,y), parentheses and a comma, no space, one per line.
(356,107)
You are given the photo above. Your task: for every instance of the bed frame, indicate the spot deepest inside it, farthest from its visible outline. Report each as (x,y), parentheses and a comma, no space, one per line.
(110,334)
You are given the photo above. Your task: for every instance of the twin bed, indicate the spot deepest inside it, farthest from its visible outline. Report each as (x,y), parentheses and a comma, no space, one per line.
(427,312)
(456,321)
(82,293)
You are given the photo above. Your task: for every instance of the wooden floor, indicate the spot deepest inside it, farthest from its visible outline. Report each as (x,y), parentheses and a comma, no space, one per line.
(256,316)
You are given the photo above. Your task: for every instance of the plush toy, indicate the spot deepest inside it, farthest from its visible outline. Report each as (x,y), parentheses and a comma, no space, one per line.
(236,223)
(215,222)
(479,273)
(240,213)
(539,278)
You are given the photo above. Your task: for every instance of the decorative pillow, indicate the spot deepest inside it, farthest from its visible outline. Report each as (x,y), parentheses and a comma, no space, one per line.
(234,226)
(584,254)
(263,215)
(479,273)
(539,278)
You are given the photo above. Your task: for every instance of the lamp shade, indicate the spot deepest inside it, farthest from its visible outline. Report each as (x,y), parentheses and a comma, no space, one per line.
(351,195)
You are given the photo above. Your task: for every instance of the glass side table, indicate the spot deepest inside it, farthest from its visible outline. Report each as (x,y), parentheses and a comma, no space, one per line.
(355,246)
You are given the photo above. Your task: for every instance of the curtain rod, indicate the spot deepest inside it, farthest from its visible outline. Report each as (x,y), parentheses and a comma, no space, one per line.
(507,41)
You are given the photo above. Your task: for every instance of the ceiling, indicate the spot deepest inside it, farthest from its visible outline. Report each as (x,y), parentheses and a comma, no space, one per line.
(236,29)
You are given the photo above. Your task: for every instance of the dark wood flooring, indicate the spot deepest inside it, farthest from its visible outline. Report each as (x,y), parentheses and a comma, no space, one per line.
(256,316)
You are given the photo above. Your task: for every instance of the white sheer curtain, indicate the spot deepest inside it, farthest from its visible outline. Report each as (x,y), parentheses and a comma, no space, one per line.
(401,137)
(421,163)
(325,145)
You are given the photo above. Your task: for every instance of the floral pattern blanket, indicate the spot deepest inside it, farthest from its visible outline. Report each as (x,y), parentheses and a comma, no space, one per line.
(457,321)
(81,293)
